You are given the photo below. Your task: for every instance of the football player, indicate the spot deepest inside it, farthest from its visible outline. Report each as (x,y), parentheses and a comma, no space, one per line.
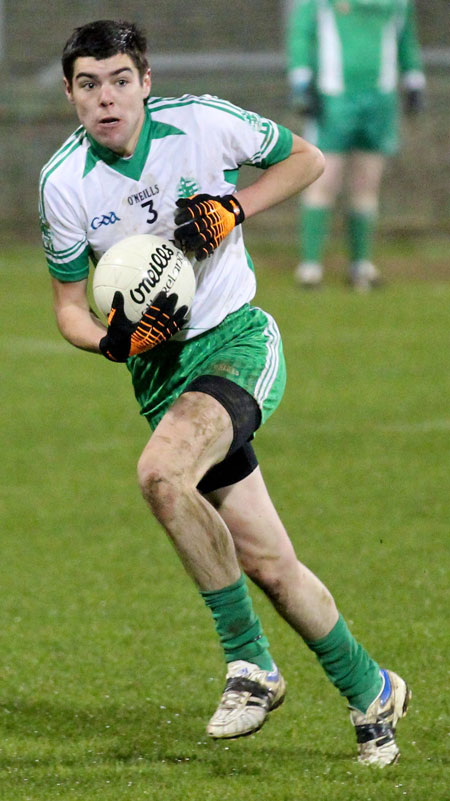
(346,61)
(169,166)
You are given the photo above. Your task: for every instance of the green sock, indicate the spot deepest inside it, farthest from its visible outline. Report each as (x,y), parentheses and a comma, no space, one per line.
(314,227)
(239,629)
(348,665)
(360,232)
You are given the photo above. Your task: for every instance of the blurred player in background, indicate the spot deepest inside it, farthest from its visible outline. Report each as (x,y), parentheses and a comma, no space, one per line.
(169,166)
(346,60)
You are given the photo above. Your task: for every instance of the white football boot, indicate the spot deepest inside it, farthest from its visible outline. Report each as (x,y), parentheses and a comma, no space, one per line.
(375,729)
(364,275)
(309,274)
(250,694)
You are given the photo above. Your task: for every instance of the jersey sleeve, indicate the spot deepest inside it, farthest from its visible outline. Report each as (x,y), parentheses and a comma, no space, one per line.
(409,56)
(301,41)
(246,137)
(65,243)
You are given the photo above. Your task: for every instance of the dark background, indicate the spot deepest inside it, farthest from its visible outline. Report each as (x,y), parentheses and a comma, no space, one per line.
(234,50)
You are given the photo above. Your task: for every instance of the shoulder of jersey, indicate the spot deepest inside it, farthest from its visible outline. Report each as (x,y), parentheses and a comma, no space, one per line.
(71,153)
(189,103)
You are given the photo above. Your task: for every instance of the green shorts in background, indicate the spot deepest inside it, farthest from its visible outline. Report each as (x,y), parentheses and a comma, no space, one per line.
(365,120)
(245,348)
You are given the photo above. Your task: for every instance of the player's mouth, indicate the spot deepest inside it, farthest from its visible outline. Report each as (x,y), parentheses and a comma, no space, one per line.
(109,122)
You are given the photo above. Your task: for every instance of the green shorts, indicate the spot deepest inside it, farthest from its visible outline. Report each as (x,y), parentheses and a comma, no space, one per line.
(357,121)
(245,348)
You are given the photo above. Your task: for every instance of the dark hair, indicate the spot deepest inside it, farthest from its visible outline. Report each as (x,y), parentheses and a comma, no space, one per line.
(102,39)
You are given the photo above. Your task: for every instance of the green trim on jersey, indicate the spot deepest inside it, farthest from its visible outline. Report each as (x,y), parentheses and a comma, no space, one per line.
(231,176)
(281,150)
(250,264)
(162,103)
(79,267)
(71,144)
(130,167)
(265,156)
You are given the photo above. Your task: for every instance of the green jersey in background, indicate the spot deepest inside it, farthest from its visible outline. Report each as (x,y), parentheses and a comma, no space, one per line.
(353,45)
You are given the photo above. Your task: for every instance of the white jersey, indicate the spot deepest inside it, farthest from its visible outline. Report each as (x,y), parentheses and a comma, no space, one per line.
(90,198)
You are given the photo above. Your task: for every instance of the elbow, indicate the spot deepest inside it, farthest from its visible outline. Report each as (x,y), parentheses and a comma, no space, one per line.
(317,162)
(310,160)
(66,324)
(62,326)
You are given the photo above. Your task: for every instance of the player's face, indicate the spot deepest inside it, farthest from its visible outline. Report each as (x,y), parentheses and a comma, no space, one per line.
(108,96)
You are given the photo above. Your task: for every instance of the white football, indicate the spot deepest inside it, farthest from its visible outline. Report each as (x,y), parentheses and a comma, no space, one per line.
(140,267)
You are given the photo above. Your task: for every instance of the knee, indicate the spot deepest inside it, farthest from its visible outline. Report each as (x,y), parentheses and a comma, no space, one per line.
(159,484)
(363,202)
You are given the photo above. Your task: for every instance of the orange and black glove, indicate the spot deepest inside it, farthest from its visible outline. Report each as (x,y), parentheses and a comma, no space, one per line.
(159,322)
(204,221)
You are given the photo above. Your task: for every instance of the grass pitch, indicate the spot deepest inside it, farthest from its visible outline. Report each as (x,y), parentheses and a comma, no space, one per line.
(109,666)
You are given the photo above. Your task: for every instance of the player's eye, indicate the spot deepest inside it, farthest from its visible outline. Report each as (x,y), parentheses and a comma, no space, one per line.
(122,82)
(87,85)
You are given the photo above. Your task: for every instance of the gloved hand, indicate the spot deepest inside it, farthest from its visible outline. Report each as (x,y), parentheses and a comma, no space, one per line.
(305,100)
(413,101)
(204,221)
(158,323)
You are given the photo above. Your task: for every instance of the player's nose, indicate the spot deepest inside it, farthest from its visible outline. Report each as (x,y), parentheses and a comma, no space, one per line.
(105,96)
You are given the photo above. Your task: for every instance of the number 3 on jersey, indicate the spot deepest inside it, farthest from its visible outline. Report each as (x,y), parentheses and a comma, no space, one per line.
(152,213)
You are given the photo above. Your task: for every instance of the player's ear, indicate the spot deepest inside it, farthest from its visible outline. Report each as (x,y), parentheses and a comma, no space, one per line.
(147,84)
(68,90)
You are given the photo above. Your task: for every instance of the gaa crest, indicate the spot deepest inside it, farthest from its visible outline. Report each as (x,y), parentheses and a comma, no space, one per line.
(187,187)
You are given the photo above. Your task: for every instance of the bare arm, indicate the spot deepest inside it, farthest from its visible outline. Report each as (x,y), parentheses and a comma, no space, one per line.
(76,320)
(303,166)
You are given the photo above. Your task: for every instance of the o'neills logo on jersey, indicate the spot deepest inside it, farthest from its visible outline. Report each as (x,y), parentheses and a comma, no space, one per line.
(145,194)
(158,263)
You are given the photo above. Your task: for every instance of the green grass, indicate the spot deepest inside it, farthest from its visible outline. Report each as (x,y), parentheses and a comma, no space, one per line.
(109,666)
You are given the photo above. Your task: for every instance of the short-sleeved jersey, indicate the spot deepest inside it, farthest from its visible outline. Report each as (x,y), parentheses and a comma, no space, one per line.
(353,45)
(90,198)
